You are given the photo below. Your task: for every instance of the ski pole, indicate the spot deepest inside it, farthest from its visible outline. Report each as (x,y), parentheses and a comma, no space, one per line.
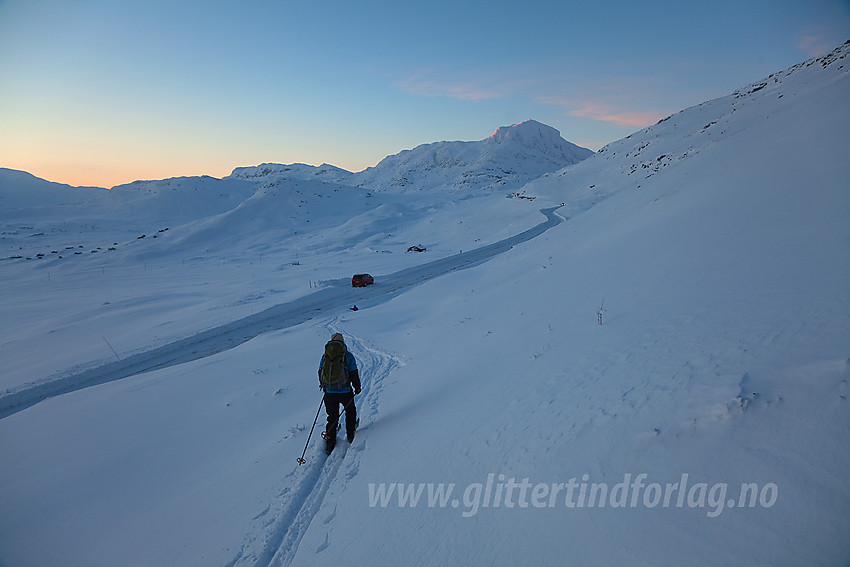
(301,460)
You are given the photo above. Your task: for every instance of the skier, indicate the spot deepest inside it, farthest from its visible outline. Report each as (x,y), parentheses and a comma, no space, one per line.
(337,374)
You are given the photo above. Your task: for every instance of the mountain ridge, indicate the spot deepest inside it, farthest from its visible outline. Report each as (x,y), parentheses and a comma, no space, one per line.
(510,156)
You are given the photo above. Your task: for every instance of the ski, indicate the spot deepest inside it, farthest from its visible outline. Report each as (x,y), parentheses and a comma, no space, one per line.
(326,436)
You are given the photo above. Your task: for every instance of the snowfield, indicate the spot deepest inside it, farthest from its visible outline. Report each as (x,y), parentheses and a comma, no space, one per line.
(160,342)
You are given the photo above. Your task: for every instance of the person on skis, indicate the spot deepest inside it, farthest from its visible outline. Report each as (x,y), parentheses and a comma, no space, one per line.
(337,375)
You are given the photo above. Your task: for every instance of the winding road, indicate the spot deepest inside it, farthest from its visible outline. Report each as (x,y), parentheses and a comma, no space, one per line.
(230,335)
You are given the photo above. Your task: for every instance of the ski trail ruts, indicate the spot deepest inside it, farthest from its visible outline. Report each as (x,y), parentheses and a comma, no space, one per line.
(285,315)
(284,551)
(375,366)
(291,514)
(299,503)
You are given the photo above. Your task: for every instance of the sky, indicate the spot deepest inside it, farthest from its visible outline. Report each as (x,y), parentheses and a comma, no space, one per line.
(101,93)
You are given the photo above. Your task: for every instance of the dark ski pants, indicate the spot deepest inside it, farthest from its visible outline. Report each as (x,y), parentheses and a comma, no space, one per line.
(332,403)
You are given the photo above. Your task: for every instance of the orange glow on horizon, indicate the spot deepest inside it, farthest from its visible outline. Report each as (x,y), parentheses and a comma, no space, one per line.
(83,174)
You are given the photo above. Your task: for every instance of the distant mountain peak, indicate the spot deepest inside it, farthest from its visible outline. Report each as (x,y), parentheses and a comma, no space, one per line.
(541,139)
(510,157)
(524,130)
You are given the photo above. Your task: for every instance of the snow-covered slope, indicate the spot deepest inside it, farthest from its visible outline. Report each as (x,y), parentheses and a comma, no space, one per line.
(176,200)
(275,172)
(631,162)
(722,362)
(511,156)
(22,190)
(508,158)
(702,423)
(205,214)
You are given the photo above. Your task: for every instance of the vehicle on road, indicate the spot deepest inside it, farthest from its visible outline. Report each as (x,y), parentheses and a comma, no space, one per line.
(362,280)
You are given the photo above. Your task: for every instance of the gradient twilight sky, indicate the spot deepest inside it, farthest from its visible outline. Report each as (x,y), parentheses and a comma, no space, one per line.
(104,92)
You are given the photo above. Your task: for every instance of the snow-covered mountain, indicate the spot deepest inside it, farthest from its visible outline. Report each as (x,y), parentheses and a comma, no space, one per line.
(204,213)
(511,156)
(22,190)
(660,378)
(275,172)
(274,196)
(508,158)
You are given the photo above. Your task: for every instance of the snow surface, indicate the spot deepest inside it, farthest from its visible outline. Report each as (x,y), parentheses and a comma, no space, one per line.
(511,156)
(155,397)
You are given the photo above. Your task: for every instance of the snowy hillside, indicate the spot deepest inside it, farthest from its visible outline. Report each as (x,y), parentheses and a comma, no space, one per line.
(19,190)
(511,155)
(155,397)
(277,172)
(203,214)
(508,158)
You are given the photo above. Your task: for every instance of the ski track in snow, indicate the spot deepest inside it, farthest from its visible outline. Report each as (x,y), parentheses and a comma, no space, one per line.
(307,486)
(230,335)
(281,526)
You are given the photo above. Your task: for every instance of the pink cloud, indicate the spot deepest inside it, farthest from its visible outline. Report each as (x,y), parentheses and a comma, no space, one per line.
(607,113)
(813,43)
(598,106)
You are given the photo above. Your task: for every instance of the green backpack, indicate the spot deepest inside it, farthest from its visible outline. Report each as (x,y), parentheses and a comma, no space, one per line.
(334,368)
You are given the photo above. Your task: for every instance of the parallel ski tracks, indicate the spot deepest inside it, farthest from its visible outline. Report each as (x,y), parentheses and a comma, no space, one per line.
(299,504)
